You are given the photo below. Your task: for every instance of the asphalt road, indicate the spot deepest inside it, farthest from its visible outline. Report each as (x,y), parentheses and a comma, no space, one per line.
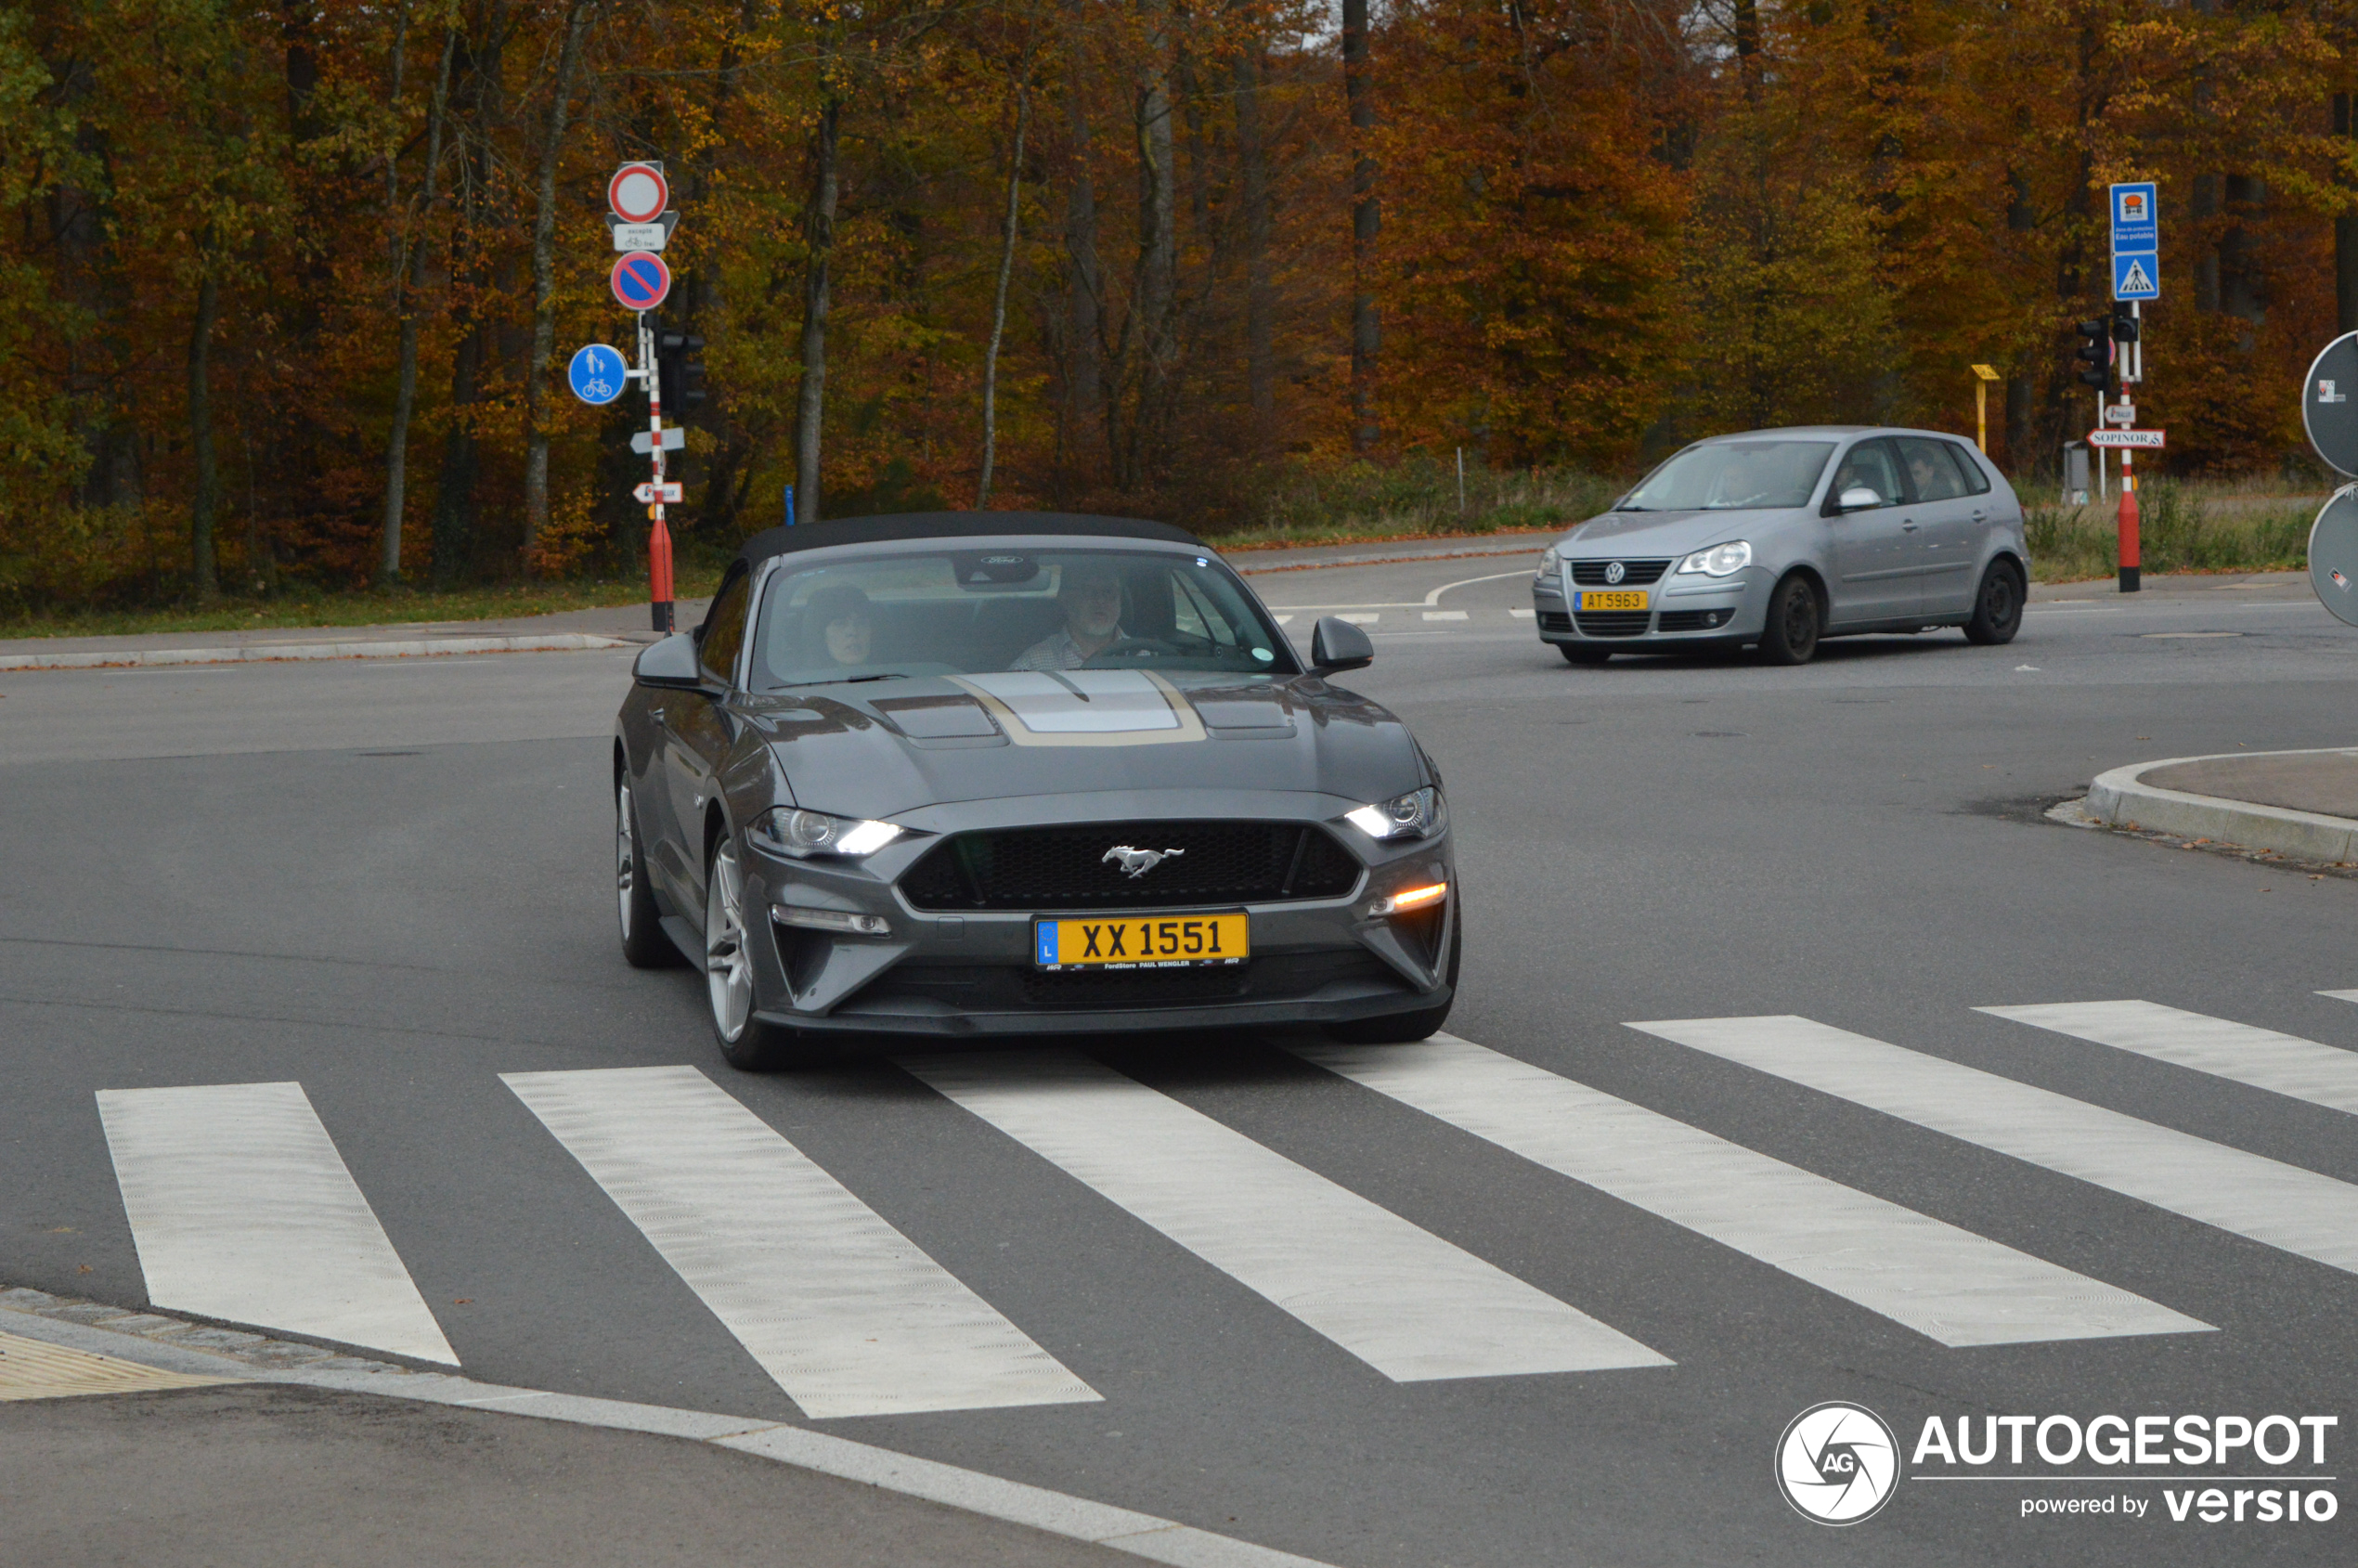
(390,884)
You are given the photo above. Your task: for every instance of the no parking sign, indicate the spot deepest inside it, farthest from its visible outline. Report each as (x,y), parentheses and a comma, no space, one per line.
(640,280)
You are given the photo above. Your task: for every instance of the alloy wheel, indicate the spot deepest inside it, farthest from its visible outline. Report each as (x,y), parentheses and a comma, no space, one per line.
(728,974)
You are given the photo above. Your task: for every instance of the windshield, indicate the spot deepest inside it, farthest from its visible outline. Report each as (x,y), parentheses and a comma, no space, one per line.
(983,611)
(1725,474)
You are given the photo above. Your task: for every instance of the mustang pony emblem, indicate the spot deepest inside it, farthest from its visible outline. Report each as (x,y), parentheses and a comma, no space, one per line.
(1138,862)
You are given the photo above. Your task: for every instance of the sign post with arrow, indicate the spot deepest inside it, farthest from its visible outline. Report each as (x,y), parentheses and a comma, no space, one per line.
(642,225)
(2136,277)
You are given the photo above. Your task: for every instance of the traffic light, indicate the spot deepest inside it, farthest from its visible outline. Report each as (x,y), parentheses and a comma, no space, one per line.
(681,371)
(2094,354)
(2124,323)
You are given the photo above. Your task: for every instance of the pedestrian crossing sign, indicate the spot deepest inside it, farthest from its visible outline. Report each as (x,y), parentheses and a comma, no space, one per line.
(2136,277)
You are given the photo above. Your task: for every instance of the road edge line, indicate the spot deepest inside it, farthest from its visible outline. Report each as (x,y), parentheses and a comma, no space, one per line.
(275,653)
(36,1314)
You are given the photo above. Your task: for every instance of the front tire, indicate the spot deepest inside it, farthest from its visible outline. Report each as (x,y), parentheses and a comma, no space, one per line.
(645,946)
(746,1043)
(1581,654)
(1997,607)
(1796,621)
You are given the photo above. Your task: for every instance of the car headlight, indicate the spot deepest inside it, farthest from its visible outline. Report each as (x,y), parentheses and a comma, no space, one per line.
(1720,560)
(1420,813)
(1550,564)
(803,834)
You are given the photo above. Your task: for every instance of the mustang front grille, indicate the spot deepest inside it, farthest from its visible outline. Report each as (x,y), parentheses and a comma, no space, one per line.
(1184,863)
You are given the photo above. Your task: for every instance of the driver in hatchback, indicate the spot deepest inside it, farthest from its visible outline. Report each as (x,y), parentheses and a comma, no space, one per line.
(1090,594)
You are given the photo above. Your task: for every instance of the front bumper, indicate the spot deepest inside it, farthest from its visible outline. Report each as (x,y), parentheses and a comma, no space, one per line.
(972,974)
(1680,612)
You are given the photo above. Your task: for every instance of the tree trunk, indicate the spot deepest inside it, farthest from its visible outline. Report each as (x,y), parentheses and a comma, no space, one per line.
(456,504)
(1261,377)
(999,302)
(2021,458)
(820,235)
(2243,291)
(2345,233)
(1157,250)
(544,288)
(1365,223)
(408,280)
(207,501)
(1084,303)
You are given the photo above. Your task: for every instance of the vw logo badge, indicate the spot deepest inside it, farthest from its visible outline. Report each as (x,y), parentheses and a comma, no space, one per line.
(1616,572)
(1837,1463)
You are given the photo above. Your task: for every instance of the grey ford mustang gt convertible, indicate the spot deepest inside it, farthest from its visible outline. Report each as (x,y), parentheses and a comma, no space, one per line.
(972,774)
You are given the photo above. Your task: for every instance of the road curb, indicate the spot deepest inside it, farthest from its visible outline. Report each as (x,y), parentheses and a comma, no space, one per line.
(156,1340)
(265,653)
(2122,798)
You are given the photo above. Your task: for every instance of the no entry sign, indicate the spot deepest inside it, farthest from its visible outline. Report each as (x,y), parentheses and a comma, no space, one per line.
(640,280)
(638,193)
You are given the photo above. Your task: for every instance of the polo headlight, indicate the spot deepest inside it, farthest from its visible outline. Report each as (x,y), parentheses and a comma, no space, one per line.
(1420,813)
(1720,560)
(803,834)
(1550,564)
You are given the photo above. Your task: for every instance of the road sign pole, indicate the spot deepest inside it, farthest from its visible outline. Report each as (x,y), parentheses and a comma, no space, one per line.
(2130,559)
(659,536)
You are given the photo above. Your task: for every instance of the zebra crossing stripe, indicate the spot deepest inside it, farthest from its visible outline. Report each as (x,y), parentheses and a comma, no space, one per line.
(2263,1199)
(1399,1298)
(1947,1284)
(241,1209)
(2283,1064)
(848,1315)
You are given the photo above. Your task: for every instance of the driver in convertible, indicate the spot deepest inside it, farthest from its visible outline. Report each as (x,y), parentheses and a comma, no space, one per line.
(1090,594)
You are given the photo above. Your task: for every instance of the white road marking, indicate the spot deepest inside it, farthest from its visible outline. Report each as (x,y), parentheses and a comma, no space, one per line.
(1367,619)
(2283,1064)
(1444,615)
(1285,620)
(846,1313)
(1947,1284)
(1434,597)
(241,1209)
(2281,1205)
(1523,614)
(1399,1298)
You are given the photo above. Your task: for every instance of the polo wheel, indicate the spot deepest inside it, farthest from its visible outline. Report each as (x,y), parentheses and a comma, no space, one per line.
(1796,621)
(1997,605)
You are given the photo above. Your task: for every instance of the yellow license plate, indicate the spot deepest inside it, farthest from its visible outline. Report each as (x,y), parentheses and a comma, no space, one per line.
(1121,941)
(1625,600)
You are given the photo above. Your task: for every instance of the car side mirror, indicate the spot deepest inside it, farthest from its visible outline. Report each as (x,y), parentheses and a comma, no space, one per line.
(669,662)
(1336,645)
(1858,499)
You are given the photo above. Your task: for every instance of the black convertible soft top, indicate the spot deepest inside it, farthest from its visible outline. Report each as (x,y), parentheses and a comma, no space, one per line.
(954,526)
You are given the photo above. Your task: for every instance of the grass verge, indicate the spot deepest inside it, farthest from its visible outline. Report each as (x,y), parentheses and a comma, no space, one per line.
(2181,528)
(302,607)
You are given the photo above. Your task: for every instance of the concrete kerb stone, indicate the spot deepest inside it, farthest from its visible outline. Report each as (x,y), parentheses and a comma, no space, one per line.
(264,653)
(2122,798)
(154,1340)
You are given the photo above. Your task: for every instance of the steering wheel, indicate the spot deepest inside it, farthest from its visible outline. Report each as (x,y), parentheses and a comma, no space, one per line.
(1134,649)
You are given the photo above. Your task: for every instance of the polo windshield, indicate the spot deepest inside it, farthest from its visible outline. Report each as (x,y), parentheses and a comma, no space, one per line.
(890,615)
(1723,475)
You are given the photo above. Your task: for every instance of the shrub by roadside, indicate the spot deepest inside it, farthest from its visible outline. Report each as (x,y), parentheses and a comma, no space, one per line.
(2182,527)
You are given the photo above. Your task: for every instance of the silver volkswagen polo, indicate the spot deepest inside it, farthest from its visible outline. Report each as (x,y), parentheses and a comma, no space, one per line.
(1776,538)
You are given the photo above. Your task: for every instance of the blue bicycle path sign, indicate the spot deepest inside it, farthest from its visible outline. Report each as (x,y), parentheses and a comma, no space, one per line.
(597,374)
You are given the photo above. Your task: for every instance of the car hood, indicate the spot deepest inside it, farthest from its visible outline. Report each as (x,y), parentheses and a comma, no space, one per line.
(882,748)
(1667,533)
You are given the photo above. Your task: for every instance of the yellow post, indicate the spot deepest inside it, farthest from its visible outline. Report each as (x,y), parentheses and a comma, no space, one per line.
(1983,376)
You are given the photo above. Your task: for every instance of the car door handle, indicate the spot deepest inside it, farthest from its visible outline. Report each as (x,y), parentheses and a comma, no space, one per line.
(1908,523)
(656,714)
(1978,515)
